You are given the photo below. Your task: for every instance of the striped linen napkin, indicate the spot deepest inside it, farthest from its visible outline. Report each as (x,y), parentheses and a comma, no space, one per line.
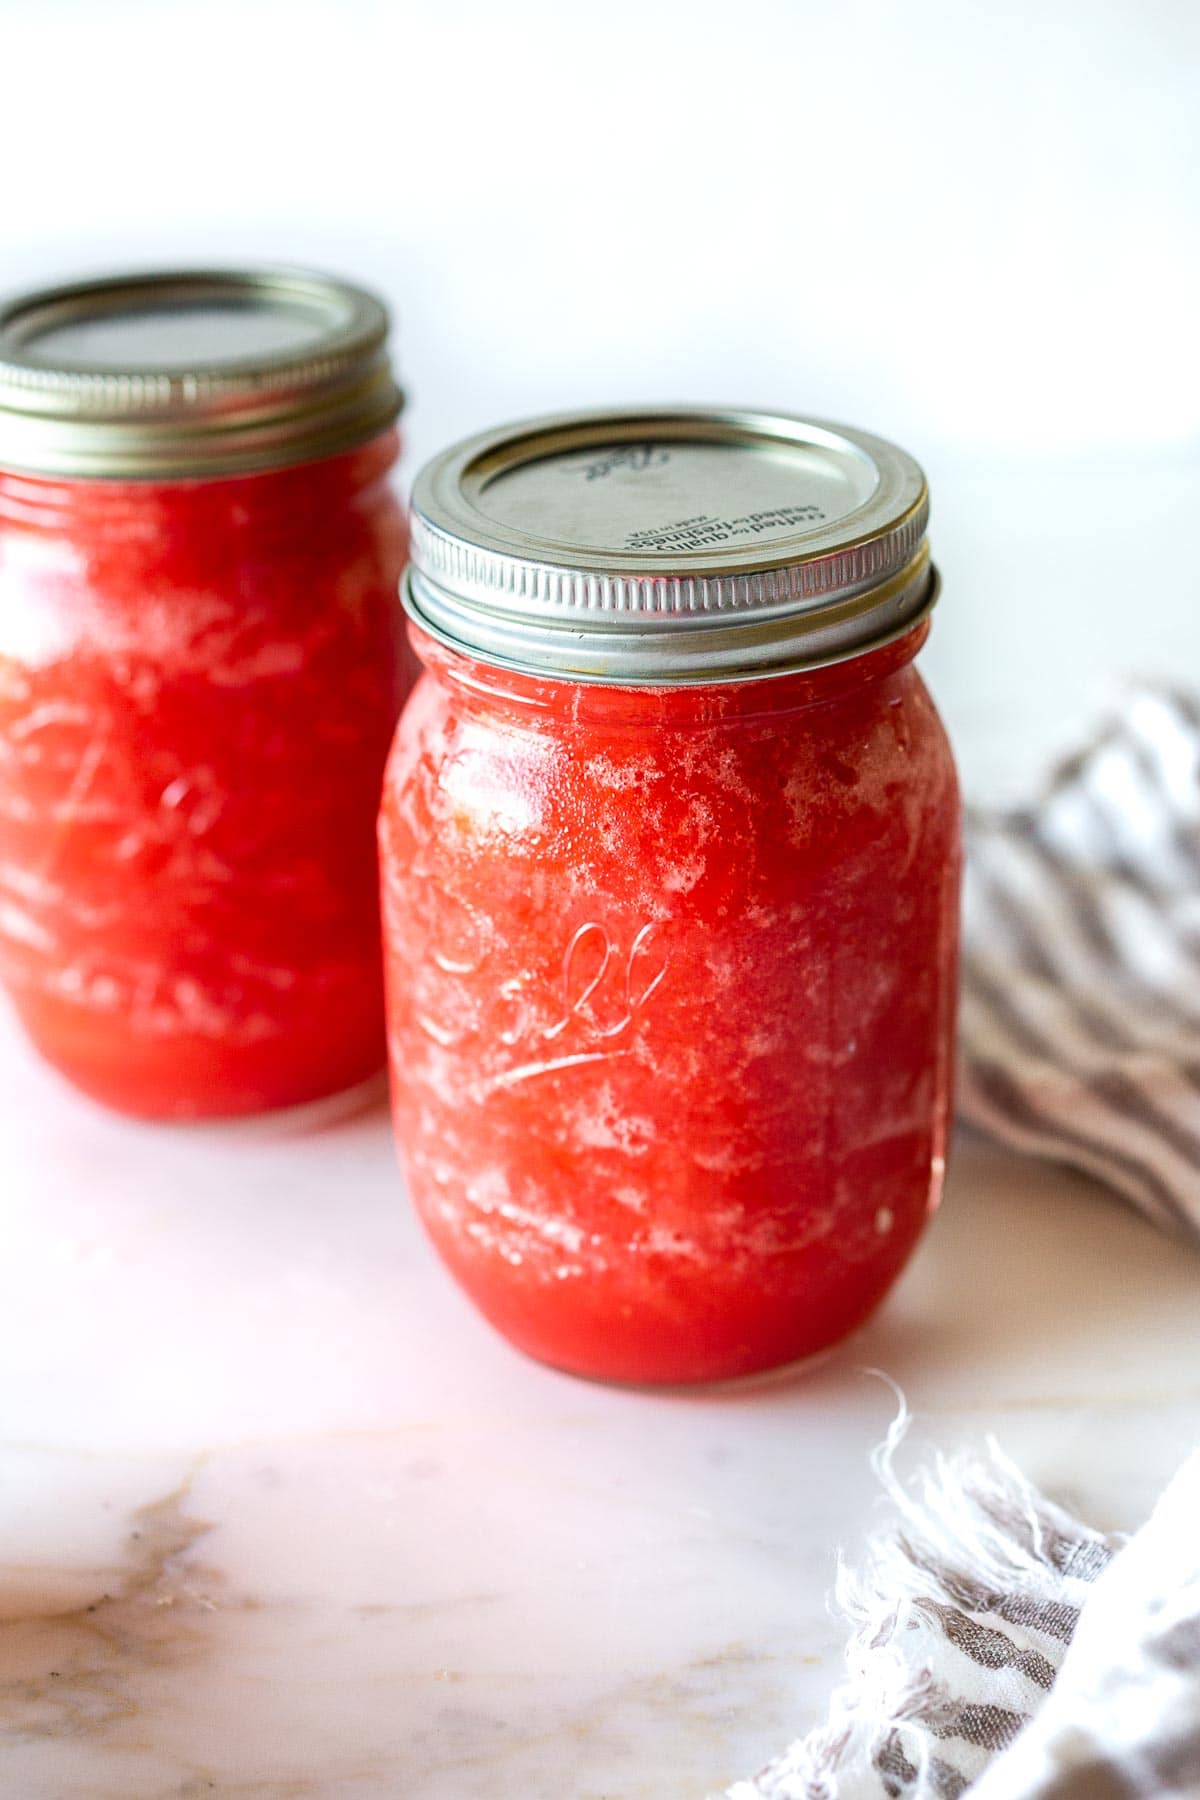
(1005,1650)
(1081,962)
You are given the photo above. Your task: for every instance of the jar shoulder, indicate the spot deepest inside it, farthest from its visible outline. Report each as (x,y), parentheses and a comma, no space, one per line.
(219,593)
(287,540)
(470,775)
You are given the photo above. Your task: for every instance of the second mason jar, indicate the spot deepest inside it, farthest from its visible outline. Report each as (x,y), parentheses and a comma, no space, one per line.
(200,668)
(670,845)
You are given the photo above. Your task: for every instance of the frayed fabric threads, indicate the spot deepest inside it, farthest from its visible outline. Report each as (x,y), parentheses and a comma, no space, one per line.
(1004,1649)
(963,1614)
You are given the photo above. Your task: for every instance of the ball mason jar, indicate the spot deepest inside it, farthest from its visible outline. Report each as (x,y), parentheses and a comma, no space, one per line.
(201,655)
(670,859)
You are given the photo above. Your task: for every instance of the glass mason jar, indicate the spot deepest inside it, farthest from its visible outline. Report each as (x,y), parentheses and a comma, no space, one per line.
(670,852)
(201,665)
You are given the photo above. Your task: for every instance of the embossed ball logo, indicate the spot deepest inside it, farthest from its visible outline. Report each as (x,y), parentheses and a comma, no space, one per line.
(631,457)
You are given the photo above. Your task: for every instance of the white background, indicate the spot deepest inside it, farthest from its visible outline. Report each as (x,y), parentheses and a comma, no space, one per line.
(974,229)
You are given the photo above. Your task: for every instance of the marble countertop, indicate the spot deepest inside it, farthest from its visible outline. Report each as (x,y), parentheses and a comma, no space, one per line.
(281,1517)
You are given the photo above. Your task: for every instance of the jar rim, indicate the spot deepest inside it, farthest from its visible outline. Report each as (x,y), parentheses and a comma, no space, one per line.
(191,374)
(670,544)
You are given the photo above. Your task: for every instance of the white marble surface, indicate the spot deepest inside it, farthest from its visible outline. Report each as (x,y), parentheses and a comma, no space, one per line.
(280,1517)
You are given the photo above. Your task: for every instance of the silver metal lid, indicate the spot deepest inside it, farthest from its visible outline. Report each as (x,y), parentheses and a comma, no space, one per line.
(681,544)
(192,374)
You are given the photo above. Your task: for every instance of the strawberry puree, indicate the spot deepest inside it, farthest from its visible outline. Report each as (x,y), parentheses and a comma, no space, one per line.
(671,997)
(198,681)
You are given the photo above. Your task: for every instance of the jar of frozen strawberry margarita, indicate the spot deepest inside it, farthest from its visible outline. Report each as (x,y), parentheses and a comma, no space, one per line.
(670,853)
(201,656)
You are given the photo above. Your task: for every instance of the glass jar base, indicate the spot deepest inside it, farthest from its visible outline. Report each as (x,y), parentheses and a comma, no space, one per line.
(777,1375)
(298,1118)
(697,1364)
(198,1080)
